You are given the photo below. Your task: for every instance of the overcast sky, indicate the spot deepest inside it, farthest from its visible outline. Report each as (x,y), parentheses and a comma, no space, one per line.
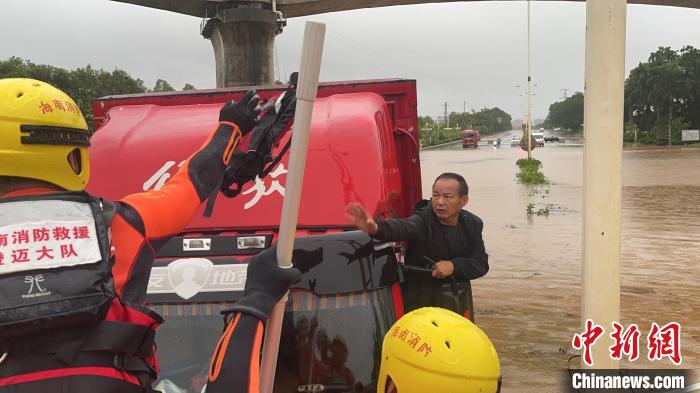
(473,52)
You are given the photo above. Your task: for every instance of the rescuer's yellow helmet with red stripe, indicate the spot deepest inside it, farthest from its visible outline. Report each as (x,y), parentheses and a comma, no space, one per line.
(42,132)
(436,350)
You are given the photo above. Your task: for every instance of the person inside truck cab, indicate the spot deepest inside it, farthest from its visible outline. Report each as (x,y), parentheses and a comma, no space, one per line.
(426,350)
(74,267)
(329,368)
(441,236)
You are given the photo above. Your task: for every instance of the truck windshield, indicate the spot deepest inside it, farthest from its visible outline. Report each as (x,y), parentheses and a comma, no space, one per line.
(334,341)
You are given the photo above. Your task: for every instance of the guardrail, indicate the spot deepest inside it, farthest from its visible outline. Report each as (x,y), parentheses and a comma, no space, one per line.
(441,145)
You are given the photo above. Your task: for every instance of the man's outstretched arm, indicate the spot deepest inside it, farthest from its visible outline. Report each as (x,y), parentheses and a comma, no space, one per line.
(235,366)
(392,229)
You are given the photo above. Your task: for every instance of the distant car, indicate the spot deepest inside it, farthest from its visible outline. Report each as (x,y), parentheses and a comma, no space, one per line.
(539,138)
(551,139)
(514,140)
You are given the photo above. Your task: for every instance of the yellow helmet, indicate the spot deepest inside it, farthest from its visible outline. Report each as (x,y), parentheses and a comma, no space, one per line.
(41,129)
(436,350)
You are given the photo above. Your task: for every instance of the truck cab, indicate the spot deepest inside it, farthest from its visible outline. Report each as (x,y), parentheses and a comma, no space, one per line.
(362,148)
(470,138)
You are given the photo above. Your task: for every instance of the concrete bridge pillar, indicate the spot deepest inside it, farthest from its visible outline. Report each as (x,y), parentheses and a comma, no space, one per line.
(243,35)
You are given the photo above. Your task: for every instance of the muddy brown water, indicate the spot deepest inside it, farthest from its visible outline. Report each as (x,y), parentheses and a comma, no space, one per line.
(529,303)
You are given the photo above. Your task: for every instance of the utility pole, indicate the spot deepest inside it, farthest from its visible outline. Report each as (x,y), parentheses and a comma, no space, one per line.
(464,113)
(447,120)
(602,169)
(529,86)
(670,114)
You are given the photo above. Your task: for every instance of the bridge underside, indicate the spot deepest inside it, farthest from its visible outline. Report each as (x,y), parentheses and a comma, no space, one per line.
(294,8)
(242,32)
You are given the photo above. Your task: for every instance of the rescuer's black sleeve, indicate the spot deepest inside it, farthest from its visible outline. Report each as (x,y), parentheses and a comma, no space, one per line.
(395,229)
(235,366)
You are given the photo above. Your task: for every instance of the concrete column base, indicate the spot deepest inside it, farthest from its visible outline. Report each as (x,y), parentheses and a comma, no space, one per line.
(243,41)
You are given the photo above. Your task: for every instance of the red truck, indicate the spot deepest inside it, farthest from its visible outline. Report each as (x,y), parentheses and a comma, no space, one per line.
(470,138)
(363,147)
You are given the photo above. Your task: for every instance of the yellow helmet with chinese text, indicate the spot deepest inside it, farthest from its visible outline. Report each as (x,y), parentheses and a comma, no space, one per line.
(43,134)
(436,350)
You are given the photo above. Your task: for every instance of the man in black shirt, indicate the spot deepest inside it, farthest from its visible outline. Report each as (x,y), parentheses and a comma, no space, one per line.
(441,236)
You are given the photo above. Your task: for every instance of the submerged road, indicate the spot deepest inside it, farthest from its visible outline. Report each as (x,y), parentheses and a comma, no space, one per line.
(529,303)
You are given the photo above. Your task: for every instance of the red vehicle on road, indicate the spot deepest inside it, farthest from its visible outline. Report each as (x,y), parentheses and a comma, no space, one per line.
(470,138)
(363,147)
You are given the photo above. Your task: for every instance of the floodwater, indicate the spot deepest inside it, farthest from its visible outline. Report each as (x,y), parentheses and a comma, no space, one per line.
(529,303)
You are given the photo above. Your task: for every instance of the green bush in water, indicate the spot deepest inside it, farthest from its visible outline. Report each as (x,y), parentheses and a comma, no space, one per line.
(530,172)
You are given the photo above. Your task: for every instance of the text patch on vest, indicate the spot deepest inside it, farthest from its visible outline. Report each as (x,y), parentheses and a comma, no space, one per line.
(56,265)
(49,234)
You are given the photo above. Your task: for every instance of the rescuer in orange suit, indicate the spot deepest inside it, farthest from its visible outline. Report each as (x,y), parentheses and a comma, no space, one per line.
(74,268)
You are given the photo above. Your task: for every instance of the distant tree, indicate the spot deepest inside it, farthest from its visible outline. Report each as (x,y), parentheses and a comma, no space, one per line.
(487,120)
(188,87)
(82,84)
(567,114)
(461,120)
(162,85)
(668,84)
(494,120)
(689,62)
(426,122)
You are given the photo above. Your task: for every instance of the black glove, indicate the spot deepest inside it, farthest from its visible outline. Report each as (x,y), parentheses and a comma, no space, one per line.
(243,113)
(265,285)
